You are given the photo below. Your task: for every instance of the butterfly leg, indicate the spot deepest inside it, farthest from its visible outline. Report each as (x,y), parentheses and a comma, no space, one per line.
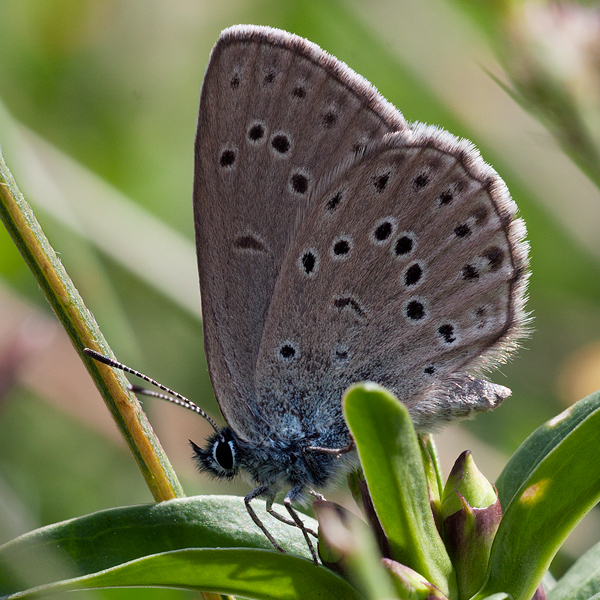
(287,502)
(259,491)
(285,519)
(337,452)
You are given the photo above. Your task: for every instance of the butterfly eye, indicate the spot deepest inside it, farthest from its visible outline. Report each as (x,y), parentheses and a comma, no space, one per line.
(224,454)
(221,457)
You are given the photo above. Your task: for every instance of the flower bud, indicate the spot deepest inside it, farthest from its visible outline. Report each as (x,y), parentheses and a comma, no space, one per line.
(470,483)
(409,584)
(335,537)
(472,514)
(347,546)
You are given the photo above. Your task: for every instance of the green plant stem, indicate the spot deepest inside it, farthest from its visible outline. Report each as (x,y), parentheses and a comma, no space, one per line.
(81,327)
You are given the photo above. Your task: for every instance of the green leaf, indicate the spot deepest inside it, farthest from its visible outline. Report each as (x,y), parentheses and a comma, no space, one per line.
(433,468)
(258,574)
(541,443)
(559,487)
(393,466)
(582,580)
(204,543)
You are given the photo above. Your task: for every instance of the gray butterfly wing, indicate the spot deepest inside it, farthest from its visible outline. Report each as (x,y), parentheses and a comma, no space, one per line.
(276,113)
(408,268)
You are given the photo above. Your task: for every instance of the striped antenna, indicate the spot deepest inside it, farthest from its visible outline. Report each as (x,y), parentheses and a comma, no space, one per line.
(173,397)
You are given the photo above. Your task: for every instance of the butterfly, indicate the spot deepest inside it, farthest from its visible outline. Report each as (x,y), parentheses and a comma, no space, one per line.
(337,243)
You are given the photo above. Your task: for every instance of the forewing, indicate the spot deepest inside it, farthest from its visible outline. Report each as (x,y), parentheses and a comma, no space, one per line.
(276,114)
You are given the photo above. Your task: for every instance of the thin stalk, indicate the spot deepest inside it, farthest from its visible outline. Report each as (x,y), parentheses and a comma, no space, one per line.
(67,304)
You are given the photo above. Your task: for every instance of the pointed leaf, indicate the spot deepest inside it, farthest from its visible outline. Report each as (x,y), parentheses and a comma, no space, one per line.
(539,444)
(150,545)
(582,580)
(560,487)
(261,574)
(393,466)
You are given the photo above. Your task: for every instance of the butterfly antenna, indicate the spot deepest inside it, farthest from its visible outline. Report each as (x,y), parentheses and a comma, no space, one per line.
(173,397)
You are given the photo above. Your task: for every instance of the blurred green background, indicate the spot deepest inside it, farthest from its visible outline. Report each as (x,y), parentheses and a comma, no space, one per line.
(98,103)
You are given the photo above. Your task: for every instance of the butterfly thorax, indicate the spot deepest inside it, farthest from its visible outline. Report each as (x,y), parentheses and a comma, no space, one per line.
(275,461)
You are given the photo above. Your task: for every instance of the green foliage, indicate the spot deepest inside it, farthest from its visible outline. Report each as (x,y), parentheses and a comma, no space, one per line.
(582,580)
(210,543)
(115,85)
(559,483)
(205,543)
(393,466)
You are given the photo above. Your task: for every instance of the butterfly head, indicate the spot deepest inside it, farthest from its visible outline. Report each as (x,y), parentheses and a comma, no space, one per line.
(220,458)
(272,461)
